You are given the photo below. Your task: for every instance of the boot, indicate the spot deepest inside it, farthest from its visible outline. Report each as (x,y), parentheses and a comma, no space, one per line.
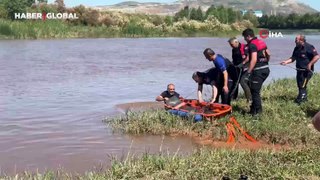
(254,111)
(301,98)
(243,177)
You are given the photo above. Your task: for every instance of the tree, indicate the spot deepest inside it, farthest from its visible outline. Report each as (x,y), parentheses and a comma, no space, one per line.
(61,5)
(15,6)
(251,17)
(182,13)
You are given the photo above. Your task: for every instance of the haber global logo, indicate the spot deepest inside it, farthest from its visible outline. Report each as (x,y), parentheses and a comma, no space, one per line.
(44,16)
(265,33)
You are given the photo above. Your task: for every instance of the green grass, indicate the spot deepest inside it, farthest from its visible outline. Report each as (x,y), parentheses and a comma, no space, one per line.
(52,29)
(204,164)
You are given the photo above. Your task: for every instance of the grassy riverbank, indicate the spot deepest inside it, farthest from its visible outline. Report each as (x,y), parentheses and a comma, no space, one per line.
(205,164)
(283,122)
(57,29)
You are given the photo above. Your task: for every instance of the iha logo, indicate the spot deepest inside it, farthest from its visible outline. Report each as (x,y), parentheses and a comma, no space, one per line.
(44,16)
(265,33)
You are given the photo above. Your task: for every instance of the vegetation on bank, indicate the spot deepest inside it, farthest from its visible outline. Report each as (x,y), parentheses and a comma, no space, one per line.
(93,23)
(204,164)
(215,21)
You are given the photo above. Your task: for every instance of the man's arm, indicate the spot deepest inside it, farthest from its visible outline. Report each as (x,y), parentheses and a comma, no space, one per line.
(199,93)
(253,61)
(160,98)
(313,61)
(268,54)
(179,105)
(315,56)
(225,81)
(291,59)
(214,93)
(288,61)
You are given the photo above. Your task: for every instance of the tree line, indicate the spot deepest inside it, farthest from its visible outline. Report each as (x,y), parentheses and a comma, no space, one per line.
(229,15)
(291,21)
(223,14)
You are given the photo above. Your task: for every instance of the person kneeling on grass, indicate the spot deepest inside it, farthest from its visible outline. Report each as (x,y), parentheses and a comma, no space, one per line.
(173,103)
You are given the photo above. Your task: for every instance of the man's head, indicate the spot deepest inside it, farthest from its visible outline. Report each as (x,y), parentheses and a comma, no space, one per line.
(248,34)
(196,77)
(300,40)
(171,89)
(233,42)
(209,54)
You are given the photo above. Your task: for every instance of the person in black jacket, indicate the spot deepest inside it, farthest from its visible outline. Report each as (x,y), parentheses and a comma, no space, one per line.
(258,70)
(305,56)
(240,59)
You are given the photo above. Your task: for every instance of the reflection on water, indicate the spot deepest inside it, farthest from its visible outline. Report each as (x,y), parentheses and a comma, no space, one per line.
(55,93)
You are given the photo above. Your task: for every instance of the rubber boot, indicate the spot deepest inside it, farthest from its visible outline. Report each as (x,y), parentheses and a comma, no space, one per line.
(243,177)
(302,97)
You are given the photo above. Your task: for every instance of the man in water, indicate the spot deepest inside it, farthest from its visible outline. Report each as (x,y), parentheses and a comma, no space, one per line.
(305,56)
(173,103)
(170,92)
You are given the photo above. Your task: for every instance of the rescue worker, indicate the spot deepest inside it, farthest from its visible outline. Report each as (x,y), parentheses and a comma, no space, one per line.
(229,73)
(210,77)
(240,59)
(258,71)
(305,56)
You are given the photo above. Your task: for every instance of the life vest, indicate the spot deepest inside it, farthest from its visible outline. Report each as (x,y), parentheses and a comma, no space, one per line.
(261,48)
(243,51)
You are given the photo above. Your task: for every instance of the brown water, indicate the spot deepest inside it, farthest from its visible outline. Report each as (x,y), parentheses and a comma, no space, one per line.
(54,95)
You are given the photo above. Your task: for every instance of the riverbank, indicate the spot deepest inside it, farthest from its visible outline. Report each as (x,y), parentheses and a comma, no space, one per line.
(57,29)
(283,124)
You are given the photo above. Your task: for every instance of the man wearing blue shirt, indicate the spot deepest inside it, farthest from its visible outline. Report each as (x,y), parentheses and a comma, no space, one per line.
(228,71)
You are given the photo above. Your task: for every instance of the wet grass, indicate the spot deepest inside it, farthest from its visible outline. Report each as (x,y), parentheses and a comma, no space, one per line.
(204,164)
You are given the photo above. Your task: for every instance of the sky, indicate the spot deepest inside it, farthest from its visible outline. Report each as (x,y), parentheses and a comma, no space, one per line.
(70,3)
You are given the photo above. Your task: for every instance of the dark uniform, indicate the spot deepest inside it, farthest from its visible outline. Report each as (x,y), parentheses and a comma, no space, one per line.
(303,55)
(259,74)
(239,54)
(222,64)
(211,77)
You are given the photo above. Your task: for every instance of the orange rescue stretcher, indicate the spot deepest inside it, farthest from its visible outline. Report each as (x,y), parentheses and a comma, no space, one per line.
(212,111)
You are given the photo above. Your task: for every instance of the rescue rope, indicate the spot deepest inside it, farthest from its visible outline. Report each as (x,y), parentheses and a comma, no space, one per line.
(231,131)
(237,84)
(297,69)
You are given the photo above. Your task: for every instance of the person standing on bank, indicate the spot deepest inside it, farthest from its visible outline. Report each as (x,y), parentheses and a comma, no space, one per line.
(240,59)
(258,71)
(227,69)
(305,56)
